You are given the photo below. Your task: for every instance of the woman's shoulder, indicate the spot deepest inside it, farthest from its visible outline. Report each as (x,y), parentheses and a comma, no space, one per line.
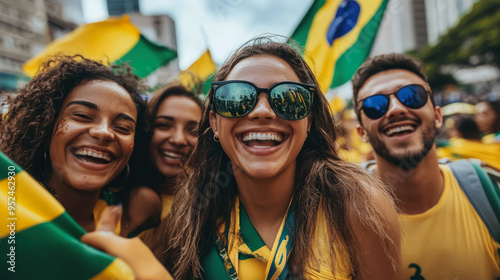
(144,208)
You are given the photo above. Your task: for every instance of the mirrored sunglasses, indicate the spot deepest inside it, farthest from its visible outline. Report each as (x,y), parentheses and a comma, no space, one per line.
(288,100)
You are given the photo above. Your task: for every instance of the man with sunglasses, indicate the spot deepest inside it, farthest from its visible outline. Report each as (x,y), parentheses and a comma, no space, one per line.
(443,238)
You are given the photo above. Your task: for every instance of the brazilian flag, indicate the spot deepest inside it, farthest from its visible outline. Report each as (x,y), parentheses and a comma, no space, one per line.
(39,240)
(338,36)
(115,40)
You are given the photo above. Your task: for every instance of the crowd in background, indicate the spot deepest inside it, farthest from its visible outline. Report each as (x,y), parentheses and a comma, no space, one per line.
(87,135)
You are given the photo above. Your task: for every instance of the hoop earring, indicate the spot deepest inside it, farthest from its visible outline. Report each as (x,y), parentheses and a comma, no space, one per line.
(216,139)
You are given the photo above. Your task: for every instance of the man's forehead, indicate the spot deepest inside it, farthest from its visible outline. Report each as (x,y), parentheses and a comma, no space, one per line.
(389,81)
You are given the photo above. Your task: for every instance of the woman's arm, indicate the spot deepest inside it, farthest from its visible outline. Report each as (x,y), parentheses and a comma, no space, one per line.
(133,251)
(379,261)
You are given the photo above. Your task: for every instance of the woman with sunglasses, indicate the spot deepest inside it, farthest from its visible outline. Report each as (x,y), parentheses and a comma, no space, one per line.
(78,127)
(268,196)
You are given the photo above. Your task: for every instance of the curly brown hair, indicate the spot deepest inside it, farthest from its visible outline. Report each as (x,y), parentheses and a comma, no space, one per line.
(29,123)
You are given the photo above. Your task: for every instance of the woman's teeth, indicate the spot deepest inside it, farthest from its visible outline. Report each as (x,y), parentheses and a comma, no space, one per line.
(93,153)
(266,136)
(171,155)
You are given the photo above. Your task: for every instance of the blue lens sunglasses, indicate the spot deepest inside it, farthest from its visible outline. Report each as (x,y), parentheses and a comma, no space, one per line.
(412,96)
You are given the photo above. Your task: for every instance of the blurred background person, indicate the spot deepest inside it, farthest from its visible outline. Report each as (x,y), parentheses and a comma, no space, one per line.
(352,147)
(465,141)
(174,115)
(488,120)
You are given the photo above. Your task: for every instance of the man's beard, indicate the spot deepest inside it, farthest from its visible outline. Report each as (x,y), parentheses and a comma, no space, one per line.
(409,160)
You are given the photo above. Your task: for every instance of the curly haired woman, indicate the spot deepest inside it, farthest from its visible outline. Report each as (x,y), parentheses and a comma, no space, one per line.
(74,127)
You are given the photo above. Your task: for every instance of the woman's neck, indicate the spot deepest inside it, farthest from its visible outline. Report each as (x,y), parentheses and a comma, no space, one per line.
(266,201)
(79,204)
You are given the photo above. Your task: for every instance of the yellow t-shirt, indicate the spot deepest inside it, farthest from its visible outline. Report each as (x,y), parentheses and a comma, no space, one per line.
(448,241)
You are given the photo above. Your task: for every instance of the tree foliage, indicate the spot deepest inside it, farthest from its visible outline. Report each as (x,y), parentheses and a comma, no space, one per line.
(474,41)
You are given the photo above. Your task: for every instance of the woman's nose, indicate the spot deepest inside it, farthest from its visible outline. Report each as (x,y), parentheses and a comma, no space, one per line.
(262,109)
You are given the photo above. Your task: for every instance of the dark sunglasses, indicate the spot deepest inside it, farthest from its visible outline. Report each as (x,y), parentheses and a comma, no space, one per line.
(412,96)
(289,100)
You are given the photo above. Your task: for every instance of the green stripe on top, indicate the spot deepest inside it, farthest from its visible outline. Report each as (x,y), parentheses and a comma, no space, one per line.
(146,56)
(248,232)
(302,31)
(352,58)
(52,250)
(5,163)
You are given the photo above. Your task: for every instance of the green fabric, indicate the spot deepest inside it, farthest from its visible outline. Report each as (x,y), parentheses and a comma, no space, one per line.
(351,59)
(146,56)
(5,162)
(492,192)
(47,250)
(302,31)
(213,266)
(248,232)
(52,250)
(207,84)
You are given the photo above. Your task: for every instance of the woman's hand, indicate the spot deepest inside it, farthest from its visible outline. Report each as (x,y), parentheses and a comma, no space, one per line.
(133,251)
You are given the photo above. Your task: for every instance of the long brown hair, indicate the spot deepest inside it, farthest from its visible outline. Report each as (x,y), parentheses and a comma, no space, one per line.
(322,181)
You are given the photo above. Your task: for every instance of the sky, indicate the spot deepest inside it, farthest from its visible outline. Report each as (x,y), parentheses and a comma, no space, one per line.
(220,25)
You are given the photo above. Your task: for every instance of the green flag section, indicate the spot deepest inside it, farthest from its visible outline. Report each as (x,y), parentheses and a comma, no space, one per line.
(39,240)
(115,40)
(337,36)
(202,71)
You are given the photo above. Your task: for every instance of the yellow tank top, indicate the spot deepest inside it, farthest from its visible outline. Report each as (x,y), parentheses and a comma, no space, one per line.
(448,241)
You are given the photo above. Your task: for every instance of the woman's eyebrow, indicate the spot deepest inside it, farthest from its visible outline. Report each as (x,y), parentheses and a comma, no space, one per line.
(84,103)
(126,117)
(95,107)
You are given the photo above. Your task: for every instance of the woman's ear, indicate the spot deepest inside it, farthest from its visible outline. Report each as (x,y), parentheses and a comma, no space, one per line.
(213,121)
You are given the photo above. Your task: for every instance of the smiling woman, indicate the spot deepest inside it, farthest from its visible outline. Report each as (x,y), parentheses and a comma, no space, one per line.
(174,115)
(74,128)
(267,196)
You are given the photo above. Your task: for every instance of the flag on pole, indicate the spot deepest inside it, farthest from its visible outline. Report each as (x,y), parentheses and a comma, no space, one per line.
(204,68)
(337,36)
(115,40)
(40,240)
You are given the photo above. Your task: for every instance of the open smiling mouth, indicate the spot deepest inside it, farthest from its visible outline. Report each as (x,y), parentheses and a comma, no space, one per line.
(400,130)
(91,155)
(172,156)
(262,139)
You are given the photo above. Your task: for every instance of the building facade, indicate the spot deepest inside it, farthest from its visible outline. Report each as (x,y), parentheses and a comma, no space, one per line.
(26,27)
